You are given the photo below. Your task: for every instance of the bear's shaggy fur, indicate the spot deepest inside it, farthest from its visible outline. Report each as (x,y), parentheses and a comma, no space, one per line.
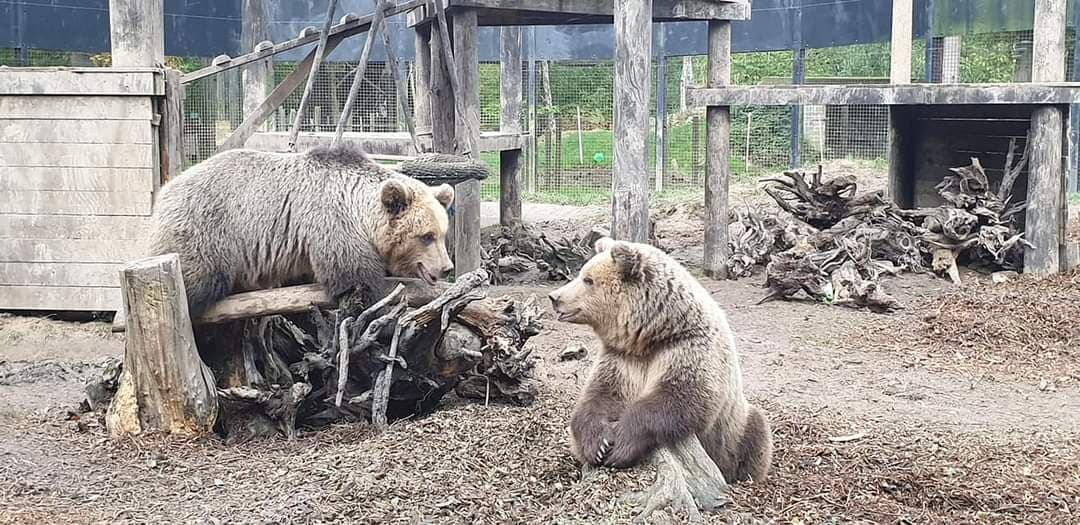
(667,369)
(244,220)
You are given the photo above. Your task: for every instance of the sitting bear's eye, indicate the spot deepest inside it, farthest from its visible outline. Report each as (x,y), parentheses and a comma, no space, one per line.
(427,238)
(588,281)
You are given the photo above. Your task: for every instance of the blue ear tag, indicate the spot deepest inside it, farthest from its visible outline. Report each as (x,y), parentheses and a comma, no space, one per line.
(450,211)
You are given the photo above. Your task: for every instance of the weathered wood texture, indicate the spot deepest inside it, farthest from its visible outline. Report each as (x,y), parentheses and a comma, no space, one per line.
(60,298)
(422,80)
(633,56)
(321,52)
(78,155)
(467,133)
(258,76)
(717,167)
(880,94)
(74,107)
(137,29)
(171,130)
(381,143)
(79,82)
(43,227)
(1045,182)
(165,387)
(510,162)
(348,25)
(899,190)
(900,49)
(442,96)
(66,202)
(569,12)
(358,75)
(74,131)
(1048,60)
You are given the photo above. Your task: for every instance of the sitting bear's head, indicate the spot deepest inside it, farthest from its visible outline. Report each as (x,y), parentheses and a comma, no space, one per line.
(622,293)
(412,237)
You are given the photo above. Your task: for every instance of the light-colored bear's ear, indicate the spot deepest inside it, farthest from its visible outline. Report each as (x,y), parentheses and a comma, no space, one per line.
(628,262)
(395,196)
(445,195)
(603,244)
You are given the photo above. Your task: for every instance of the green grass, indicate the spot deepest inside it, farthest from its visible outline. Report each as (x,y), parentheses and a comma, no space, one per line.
(1074,199)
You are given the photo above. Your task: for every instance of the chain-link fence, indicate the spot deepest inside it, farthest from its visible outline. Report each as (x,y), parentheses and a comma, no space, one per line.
(569,106)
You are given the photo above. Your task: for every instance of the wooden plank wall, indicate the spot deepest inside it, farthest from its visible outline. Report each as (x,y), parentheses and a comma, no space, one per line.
(77,175)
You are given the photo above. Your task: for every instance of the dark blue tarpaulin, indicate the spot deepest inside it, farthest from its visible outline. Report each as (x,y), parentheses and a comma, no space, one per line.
(211,27)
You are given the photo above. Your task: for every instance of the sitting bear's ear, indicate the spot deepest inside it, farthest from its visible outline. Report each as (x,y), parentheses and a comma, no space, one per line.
(603,244)
(628,262)
(445,195)
(395,196)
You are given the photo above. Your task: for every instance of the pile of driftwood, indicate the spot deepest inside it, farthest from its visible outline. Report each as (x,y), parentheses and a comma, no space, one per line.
(276,360)
(840,242)
(522,253)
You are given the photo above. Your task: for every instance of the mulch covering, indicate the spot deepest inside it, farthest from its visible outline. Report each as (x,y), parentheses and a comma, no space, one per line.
(1026,328)
(473,464)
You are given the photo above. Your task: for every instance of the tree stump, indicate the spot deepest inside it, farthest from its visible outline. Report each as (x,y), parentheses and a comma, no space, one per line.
(164,386)
(686,479)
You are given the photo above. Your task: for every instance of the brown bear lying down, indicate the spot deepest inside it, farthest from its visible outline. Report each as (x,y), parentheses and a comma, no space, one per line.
(245,219)
(667,369)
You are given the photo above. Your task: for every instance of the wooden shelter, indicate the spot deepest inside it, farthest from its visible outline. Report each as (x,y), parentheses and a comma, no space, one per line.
(934,127)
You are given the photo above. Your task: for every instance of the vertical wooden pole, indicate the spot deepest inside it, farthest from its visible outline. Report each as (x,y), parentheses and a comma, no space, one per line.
(510,162)
(320,53)
(660,146)
(717,154)
(900,49)
(467,194)
(633,57)
(1045,216)
(171,130)
(137,28)
(258,77)
(422,81)
(164,387)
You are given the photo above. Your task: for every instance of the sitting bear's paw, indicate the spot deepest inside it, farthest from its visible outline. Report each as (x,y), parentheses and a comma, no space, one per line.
(626,448)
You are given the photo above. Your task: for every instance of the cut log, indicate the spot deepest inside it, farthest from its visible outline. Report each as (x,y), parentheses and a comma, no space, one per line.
(164,386)
(686,479)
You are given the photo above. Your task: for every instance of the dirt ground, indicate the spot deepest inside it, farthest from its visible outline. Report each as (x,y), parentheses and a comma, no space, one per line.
(961,408)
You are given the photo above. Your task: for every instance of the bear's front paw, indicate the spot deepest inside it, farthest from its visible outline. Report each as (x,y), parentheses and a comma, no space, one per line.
(591,442)
(626,450)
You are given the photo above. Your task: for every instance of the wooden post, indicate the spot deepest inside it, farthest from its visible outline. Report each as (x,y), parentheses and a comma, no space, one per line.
(630,182)
(358,77)
(510,161)
(900,49)
(321,52)
(258,77)
(717,154)
(422,80)
(467,133)
(660,142)
(442,97)
(1045,217)
(171,130)
(165,387)
(137,28)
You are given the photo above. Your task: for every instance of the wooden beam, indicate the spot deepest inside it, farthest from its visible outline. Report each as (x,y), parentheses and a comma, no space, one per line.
(441,99)
(321,52)
(251,123)
(900,49)
(80,82)
(137,29)
(510,162)
(633,56)
(568,12)
(164,387)
(887,95)
(389,35)
(350,25)
(717,155)
(76,106)
(1044,193)
(72,131)
(466,57)
(358,79)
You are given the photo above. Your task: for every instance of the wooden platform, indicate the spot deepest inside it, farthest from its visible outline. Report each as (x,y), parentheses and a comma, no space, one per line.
(886,94)
(377,143)
(574,12)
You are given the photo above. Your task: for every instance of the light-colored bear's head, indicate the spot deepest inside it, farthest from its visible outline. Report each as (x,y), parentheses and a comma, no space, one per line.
(626,293)
(412,239)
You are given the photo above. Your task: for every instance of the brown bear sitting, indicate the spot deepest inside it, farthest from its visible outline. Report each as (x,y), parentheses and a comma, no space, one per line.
(667,369)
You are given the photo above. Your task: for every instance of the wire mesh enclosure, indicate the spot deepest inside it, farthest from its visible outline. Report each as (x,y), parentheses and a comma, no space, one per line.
(568,109)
